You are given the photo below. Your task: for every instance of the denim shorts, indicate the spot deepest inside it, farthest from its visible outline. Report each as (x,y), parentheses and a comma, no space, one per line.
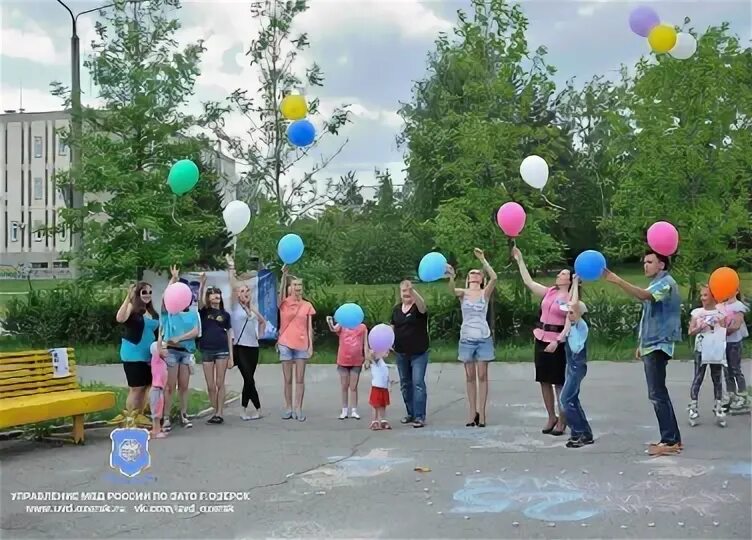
(175,357)
(349,369)
(476,350)
(211,356)
(286,354)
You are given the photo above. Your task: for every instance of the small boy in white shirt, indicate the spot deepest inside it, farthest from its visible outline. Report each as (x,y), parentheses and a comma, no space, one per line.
(379,398)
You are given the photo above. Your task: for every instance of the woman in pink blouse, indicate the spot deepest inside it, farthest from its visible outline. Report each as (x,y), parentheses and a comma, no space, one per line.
(550,359)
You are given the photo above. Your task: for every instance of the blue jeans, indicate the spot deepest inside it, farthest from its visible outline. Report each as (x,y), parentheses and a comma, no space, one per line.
(412,372)
(655,374)
(570,393)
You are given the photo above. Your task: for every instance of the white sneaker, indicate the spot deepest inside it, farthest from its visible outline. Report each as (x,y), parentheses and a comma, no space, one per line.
(343,415)
(354,414)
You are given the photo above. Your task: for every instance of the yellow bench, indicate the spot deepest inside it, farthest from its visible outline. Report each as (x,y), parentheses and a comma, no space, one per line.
(29,393)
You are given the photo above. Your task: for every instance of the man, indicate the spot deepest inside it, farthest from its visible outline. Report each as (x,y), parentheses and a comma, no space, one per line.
(660,329)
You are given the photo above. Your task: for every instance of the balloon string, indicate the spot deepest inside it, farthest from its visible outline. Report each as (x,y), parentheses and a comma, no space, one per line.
(552,204)
(174,203)
(234,246)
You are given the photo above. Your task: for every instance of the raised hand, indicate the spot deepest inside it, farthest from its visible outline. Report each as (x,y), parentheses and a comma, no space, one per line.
(449,272)
(516,254)
(479,254)
(202,277)
(230,260)
(174,271)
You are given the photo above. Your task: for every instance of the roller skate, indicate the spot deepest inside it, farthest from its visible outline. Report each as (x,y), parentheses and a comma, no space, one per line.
(693,413)
(739,404)
(720,414)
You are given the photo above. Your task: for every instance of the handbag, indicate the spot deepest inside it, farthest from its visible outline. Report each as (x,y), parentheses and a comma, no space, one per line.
(714,346)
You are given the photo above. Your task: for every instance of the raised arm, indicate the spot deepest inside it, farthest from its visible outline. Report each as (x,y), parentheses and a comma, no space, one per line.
(127,306)
(202,290)
(232,278)
(575,302)
(452,286)
(419,302)
(492,277)
(332,326)
(283,285)
(174,274)
(536,288)
(631,290)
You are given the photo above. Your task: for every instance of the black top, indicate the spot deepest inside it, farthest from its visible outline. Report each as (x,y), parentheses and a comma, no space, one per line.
(134,328)
(214,326)
(410,330)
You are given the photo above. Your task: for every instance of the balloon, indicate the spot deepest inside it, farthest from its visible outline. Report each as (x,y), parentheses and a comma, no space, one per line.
(663,238)
(293,107)
(589,265)
(534,171)
(724,284)
(177,297)
(349,315)
(642,20)
(685,47)
(511,219)
(432,267)
(301,133)
(153,349)
(183,176)
(662,38)
(381,339)
(237,216)
(290,248)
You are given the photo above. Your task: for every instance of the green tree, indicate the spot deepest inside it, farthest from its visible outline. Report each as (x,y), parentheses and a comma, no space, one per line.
(689,156)
(265,149)
(130,221)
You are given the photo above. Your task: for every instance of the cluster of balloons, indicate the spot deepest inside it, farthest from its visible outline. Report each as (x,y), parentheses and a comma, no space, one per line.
(663,38)
(183,177)
(300,132)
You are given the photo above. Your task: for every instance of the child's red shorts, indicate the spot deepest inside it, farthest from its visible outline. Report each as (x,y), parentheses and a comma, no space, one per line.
(379,397)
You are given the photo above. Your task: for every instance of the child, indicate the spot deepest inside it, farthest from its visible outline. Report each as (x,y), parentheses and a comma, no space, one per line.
(156,397)
(379,398)
(704,323)
(352,352)
(575,336)
(736,330)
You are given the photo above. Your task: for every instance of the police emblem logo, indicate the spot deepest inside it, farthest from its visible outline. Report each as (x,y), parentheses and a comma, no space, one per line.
(130,451)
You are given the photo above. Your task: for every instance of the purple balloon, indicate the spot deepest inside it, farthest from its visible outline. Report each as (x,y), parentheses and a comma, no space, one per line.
(642,20)
(381,338)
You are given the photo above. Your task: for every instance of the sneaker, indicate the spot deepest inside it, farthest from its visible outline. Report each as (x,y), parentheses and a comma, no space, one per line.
(244,415)
(185,422)
(406,419)
(354,414)
(287,415)
(300,417)
(343,414)
(663,449)
(166,425)
(419,424)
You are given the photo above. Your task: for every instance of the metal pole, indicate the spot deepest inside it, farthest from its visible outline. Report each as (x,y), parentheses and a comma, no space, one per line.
(77,196)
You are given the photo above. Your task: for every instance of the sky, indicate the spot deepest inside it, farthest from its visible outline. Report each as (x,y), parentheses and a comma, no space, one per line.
(371,52)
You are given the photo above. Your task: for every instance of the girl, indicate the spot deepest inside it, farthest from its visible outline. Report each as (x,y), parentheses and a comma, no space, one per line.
(247,326)
(574,336)
(177,341)
(476,348)
(295,342)
(158,383)
(141,321)
(736,331)
(215,345)
(703,323)
(550,358)
(352,352)
(379,398)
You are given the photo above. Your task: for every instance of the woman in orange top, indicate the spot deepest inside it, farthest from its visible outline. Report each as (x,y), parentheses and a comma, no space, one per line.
(295,342)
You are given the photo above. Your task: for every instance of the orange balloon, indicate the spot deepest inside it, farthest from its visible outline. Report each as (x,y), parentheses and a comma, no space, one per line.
(724,283)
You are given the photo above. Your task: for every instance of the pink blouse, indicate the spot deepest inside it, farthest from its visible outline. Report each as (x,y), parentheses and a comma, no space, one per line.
(551,313)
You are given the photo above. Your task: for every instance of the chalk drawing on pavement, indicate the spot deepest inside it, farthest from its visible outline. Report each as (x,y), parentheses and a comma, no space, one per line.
(741,468)
(671,467)
(501,437)
(313,529)
(342,471)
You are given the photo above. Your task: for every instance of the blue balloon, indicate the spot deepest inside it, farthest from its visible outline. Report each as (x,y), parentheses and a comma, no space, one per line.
(290,248)
(349,315)
(301,133)
(432,267)
(589,265)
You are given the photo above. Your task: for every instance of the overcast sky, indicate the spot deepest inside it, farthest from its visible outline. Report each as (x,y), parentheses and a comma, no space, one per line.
(371,51)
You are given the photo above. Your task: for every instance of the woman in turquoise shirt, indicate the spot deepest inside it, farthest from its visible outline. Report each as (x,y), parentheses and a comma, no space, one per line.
(141,322)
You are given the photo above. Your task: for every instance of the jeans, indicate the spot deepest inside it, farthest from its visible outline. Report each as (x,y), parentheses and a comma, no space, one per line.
(715,374)
(570,393)
(734,376)
(412,372)
(655,374)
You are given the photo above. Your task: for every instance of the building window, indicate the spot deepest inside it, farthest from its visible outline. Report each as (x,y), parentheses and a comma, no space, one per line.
(39,265)
(62,149)
(14,231)
(60,196)
(60,264)
(38,231)
(38,188)
(38,148)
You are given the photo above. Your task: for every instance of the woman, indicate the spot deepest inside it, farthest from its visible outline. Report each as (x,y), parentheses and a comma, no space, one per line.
(550,357)
(410,324)
(178,332)
(295,342)
(476,348)
(141,321)
(247,326)
(215,345)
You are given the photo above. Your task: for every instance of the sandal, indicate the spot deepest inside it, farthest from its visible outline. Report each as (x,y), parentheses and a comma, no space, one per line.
(375,426)
(385,425)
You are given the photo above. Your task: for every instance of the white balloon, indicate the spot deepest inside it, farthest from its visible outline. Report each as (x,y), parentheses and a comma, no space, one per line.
(685,47)
(237,216)
(534,171)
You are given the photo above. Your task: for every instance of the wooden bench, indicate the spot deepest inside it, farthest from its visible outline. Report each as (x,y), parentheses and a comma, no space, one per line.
(29,393)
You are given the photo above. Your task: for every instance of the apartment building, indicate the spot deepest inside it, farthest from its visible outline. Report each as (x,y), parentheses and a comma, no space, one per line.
(32,153)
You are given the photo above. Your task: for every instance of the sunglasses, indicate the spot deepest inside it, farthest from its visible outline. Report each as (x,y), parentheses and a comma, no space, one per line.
(144,292)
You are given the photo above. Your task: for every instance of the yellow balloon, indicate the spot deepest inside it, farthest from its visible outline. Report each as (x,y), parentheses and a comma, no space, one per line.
(294,107)
(662,38)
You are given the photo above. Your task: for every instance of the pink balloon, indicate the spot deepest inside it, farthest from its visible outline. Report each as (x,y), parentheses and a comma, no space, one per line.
(663,238)
(511,218)
(177,297)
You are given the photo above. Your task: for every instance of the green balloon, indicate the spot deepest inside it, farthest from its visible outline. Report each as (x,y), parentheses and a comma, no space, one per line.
(183,177)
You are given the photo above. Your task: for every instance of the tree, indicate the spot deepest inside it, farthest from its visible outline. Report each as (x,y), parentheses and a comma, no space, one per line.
(349,196)
(130,221)
(266,151)
(689,156)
